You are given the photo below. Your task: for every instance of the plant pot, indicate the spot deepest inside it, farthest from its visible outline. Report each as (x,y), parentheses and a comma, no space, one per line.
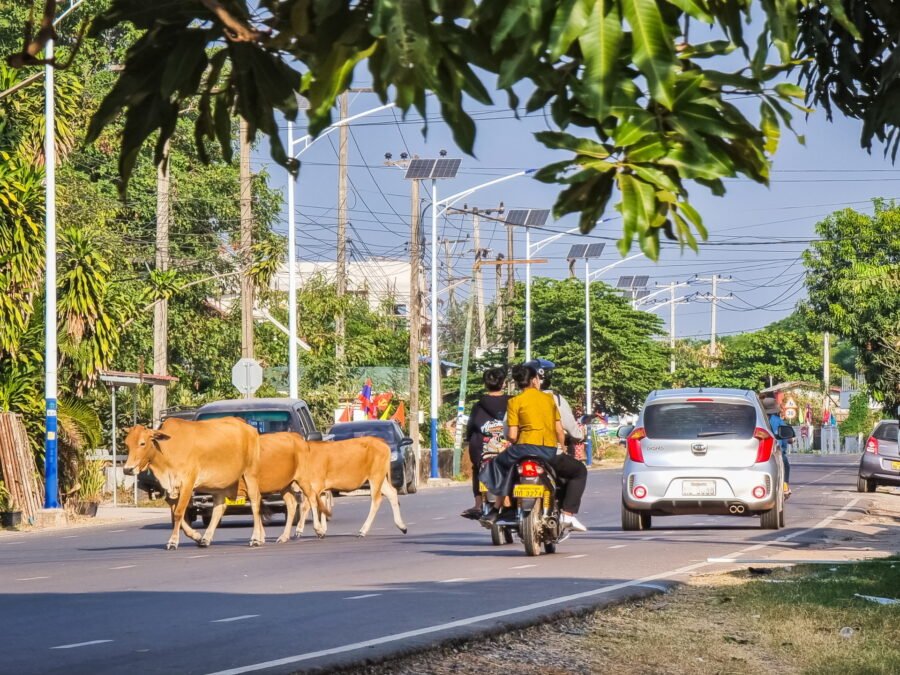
(87,509)
(10,518)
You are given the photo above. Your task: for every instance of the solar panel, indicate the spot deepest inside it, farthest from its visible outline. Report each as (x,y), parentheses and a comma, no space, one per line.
(640,282)
(537,217)
(625,282)
(420,168)
(577,251)
(641,294)
(517,216)
(446,168)
(594,250)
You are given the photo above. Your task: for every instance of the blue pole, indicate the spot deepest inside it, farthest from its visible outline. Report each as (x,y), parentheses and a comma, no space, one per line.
(435,473)
(589,445)
(50,464)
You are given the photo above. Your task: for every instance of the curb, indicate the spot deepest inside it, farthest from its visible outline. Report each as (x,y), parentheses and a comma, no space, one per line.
(477,633)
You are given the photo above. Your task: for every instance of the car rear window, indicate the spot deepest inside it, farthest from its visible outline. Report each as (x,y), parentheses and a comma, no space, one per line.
(886,432)
(343,434)
(685,420)
(264,421)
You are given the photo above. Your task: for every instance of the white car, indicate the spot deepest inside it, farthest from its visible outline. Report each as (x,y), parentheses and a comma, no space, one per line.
(702,451)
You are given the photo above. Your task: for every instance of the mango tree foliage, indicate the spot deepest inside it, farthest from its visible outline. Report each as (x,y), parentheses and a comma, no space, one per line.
(640,92)
(854,290)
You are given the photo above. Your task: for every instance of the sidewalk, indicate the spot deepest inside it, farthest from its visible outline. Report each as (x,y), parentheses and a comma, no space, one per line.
(106,515)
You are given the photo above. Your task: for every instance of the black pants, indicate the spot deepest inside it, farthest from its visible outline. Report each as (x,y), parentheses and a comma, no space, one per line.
(575,474)
(475,456)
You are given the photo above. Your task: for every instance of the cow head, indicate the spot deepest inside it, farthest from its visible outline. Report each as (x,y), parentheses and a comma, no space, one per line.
(143,444)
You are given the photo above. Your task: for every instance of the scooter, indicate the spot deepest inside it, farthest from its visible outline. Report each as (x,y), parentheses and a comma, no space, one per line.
(537,501)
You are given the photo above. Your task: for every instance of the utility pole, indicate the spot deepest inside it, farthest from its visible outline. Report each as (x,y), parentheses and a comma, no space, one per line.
(479,282)
(161,306)
(341,285)
(672,287)
(714,298)
(246,256)
(826,369)
(510,289)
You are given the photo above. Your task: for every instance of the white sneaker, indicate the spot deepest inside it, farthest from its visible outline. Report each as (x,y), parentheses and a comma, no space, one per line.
(573,523)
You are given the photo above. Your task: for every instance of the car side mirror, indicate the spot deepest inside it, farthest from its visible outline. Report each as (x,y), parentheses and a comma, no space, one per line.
(314,436)
(625,432)
(406,441)
(785,433)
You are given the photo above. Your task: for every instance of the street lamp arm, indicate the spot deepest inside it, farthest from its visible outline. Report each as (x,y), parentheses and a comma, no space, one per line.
(447,202)
(664,289)
(310,141)
(538,245)
(603,270)
(75,4)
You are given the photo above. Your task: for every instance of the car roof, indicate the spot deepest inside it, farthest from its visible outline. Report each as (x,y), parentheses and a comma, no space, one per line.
(244,404)
(362,423)
(717,392)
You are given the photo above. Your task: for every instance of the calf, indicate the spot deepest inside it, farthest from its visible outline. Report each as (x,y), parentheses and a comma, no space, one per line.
(211,455)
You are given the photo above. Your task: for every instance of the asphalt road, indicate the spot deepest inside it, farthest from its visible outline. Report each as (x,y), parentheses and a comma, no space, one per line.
(112,600)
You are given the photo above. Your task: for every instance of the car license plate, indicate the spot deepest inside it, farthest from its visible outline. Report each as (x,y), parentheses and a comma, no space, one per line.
(698,488)
(895,466)
(238,501)
(528,491)
(482,487)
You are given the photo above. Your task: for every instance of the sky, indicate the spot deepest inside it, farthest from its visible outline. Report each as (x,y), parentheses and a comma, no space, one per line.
(756,234)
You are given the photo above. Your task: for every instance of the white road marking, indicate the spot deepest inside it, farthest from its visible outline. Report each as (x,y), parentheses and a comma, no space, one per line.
(522,567)
(439,518)
(122,567)
(81,644)
(468,621)
(114,531)
(201,555)
(32,578)
(235,618)
(827,475)
(619,546)
(71,536)
(655,587)
(454,580)
(13,543)
(647,538)
(580,555)
(363,597)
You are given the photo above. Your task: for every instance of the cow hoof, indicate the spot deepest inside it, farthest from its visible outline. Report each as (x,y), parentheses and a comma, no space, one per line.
(255,543)
(361,534)
(203,543)
(171,546)
(281,540)
(403,530)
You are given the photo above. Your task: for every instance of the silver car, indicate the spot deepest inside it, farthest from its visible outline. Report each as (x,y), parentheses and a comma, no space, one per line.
(702,451)
(880,463)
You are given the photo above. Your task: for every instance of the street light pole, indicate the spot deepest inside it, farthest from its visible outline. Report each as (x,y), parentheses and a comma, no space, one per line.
(435,359)
(588,404)
(51,476)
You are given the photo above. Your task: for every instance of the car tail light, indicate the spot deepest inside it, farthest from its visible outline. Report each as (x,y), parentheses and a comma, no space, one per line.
(530,469)
(766,444)
(700,400)
(872,446)
(639,492)
(634,445)
(759,492)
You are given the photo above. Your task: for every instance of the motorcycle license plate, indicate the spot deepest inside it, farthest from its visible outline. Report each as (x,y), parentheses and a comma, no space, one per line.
(698,488)
(528,491)
(238,501)
(482,487)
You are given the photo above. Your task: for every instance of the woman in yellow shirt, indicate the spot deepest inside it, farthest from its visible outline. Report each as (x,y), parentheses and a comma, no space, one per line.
(536,431)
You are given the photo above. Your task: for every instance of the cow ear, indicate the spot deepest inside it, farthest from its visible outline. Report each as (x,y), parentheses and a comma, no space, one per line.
(160,436)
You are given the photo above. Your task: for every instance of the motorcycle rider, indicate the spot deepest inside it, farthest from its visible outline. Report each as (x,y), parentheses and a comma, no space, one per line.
(535,430)
(574,431)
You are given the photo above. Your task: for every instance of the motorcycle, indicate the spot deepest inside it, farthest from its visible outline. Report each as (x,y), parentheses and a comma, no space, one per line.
(500,533)
(537,501)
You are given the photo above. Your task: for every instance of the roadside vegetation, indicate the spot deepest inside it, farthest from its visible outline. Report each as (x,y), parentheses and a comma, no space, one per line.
(807,619)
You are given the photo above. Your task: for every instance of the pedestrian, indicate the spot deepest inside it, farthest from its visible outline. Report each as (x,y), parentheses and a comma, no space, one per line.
(485,419)
(773,411)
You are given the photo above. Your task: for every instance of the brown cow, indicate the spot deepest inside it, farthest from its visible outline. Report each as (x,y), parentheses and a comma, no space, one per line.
(344,466)
(210,455)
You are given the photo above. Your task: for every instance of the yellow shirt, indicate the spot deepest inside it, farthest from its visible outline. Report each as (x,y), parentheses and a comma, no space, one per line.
(536,414)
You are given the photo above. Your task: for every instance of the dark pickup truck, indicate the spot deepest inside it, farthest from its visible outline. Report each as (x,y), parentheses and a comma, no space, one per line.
(266,415)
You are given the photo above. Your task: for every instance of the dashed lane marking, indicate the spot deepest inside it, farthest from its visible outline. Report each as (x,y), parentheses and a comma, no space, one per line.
(32,578)
(454,580)
(579,555)
(229,619)
(619,546)
(522,567)
(81,644)
(363,597)
(122,567)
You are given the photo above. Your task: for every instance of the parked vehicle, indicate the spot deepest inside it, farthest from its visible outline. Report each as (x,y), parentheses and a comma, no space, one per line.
(880,462)
(702,451)
(267,415)
(404,476)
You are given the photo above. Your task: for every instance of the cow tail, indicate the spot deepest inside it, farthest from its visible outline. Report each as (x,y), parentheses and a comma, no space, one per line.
(323,505)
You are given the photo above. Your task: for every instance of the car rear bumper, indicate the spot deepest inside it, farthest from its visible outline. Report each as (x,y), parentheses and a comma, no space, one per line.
(666,491)
(879,468)
(270,502)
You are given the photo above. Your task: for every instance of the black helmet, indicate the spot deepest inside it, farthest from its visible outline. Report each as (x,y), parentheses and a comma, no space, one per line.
(542,367)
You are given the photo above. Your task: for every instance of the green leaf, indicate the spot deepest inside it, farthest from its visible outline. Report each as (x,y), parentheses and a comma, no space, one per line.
(698,9)
(600,44)
(770,127)
(652,48)
(569,22)
(788,90)
(559,140)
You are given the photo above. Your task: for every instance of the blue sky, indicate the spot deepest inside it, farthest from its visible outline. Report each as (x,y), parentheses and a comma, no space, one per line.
(757,234)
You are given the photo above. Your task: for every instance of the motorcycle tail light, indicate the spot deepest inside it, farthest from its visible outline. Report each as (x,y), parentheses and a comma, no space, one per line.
(530,469)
